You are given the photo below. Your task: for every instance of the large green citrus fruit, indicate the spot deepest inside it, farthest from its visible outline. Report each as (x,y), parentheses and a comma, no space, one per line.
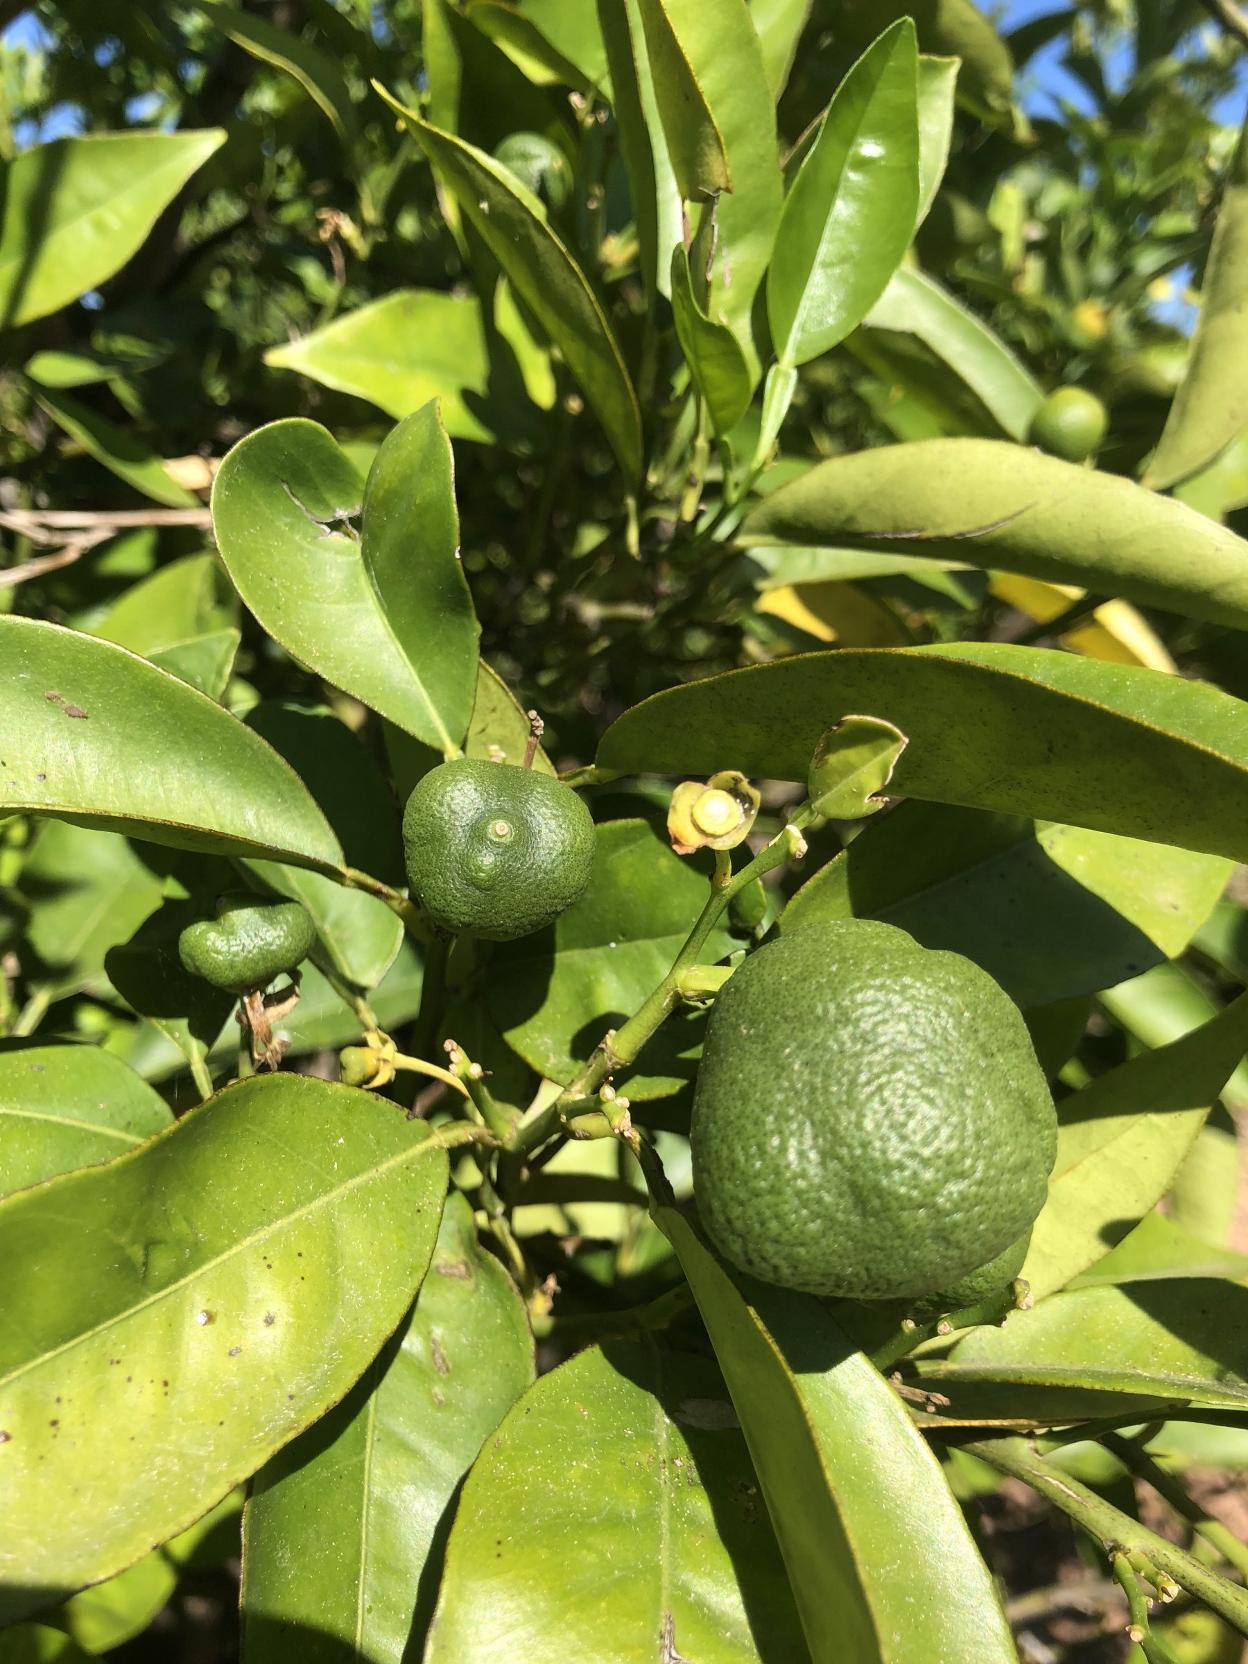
(869,1118)
(1071,423)
(250,942)
(495,849)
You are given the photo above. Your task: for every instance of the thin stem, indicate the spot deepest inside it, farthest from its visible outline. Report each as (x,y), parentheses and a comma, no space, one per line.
(418,1066)
(1111,1526)
(200,1075)
(355,1002)
(352,878)
(500,1118)
(1139,1630)
(634,1320)
(32,1013)
(1142,1465)
(462,1132)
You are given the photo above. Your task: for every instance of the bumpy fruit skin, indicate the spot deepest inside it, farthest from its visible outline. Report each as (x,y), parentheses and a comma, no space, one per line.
(1071,423)
(540,165)
(250,942)
(869,1118)
(495,849)
(982,1283)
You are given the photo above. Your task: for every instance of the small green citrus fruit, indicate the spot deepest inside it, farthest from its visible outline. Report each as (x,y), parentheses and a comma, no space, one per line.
(981,1284)
(869,1118)
(540,165)
(1071,423)
(495,849)
(250,942)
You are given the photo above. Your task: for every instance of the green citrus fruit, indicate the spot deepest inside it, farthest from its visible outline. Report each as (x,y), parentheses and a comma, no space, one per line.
(495,849)
(869,1118)
(250,942)
(540,165)
(984,1282)
(1071,423)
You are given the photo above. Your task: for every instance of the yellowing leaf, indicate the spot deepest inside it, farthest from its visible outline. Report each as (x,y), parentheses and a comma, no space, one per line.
(1116,631)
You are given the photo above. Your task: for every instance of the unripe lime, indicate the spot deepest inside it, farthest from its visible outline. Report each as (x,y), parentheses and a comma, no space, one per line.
(1071,423)
(540,165)
(495,849)
(982,1283)
(869,1118)
(250,942)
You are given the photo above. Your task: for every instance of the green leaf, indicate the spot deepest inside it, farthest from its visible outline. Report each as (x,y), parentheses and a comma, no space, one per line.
(655,196)
(1019,729)
(512,225)
(344,1529)
(314,70)
(1121,1141)
(850,212)
(613,1516)
(779,25)
(997,505)
(358,933)
(572,30)
(852,764)
(1222,487)
(1182,1340)
(735,235)
(1210,408)
(67,1106)
(852,1489)
(414,345)
(205,662)
(532,51)
(119,451)
(102,738)
(554,994)
(1163,1005)
(177,602)
(954,28)
(75,211)
(914,304)
(1051,911)
(715,360)
(282,505)
(1158,1247)
(181,1313)
(86,890)
(694,141)
(475,89)
(938,79)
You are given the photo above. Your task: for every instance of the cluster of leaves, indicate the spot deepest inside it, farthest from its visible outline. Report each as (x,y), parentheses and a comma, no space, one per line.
(666,366)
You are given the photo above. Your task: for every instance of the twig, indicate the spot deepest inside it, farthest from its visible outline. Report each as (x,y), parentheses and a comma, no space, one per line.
(11,576)
(43,525)
(1231,16)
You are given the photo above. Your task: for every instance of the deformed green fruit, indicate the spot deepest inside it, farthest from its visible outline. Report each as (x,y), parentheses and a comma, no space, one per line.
(538,164)
(495,849)
(250,942)
(1071,423)
(869,1118)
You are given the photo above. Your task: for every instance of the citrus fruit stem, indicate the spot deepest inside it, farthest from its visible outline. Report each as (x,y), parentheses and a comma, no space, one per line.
(499,1118)
(1108,1524)
(1168,1487)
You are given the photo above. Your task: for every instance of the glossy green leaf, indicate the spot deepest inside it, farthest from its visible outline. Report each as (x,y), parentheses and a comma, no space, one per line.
(735,235)
(475,89)
(67,1106)
(938,80)
(657,208)
(997,505)
(86,891)
(779,25)
(358,933)
(715,359)
(613,1516)
(531,50)
(40,1644)
(955,28)
(53,367)
(100,737)
(76,209)
(512,225)
(572,30)
(1120,1142)
(1052,912)
(850,212)
(345,1528)
(404,643)
(554,994)
(119,451)
(1222,487)
(205,662)
(184,1311)
(414,345)
(1210,408)
(1203,1199)
(852,764)
(1158,1247)
(315,71)
(1182,1340)
(1018,729)
(694,141)
(914,304)
(177,602)
(851,1487)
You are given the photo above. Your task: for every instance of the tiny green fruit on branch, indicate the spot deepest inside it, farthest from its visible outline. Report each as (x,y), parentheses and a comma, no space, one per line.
(869,1118)
(249,942)
(1071,423)
(495,849)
